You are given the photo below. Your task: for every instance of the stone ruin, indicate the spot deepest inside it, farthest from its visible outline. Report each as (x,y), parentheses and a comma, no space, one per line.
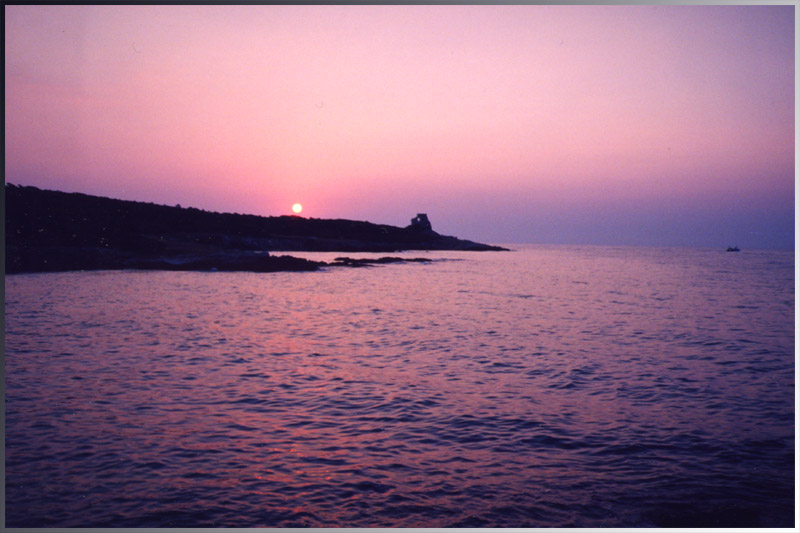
(421,222)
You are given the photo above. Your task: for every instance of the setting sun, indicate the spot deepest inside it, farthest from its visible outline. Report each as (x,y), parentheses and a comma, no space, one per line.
(297,208)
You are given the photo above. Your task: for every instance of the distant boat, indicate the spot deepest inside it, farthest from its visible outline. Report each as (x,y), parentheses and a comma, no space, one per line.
(732,249)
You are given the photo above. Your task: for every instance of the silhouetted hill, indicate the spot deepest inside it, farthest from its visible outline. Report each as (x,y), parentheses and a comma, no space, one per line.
(52,230)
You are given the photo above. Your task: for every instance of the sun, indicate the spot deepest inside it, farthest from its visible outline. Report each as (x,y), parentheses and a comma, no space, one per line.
(296,208)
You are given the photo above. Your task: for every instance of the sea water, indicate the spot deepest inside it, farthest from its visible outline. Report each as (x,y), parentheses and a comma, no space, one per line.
(542,387)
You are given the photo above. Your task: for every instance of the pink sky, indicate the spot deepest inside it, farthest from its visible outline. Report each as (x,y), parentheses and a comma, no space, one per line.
(584,124)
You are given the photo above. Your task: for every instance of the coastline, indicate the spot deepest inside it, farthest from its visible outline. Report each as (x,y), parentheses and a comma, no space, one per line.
(53,231)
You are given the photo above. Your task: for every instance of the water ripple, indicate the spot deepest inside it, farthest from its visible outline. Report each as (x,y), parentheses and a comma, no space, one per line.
(552,387)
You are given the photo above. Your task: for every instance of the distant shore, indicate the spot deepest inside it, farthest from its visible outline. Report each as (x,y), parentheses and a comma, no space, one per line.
(53,231)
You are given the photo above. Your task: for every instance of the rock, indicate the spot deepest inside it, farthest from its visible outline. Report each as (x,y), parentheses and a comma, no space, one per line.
(349,261)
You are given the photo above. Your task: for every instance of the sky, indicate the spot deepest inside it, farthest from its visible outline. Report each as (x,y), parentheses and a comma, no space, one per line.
(619,125)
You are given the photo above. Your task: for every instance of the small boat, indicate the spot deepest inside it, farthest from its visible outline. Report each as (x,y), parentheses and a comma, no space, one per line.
(732,249)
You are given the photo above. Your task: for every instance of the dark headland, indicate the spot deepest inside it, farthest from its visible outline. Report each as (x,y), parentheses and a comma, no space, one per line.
(50,231)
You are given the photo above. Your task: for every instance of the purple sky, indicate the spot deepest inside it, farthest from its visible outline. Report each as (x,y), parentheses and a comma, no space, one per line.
(662,125)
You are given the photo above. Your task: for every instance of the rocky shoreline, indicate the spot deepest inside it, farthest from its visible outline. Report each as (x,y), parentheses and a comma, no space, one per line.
(52,231)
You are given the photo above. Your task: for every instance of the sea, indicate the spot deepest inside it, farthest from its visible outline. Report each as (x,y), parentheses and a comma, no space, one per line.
(547,386)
